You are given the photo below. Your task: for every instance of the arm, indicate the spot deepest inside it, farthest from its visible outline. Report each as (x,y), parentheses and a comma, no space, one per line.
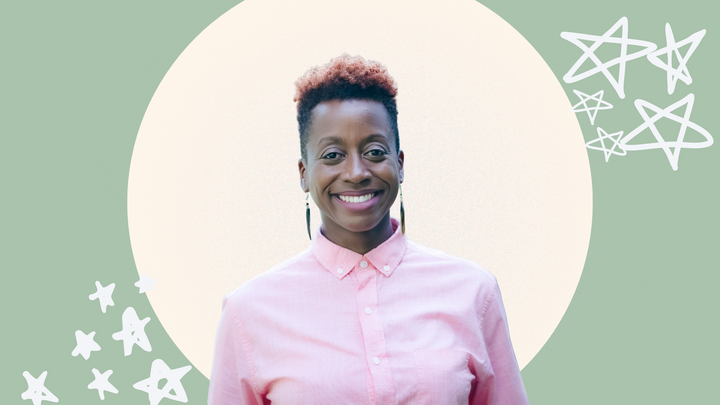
(506,388)
(231,380)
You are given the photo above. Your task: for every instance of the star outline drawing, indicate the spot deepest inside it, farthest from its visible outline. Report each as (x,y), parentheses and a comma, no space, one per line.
(173,388)
(677,145)
(602,136)
(133,332)
(602,67)
(673,48)
(591,111)
(37,392)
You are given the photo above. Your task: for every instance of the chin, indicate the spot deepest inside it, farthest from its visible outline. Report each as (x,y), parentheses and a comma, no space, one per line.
(358,227)
(361,224)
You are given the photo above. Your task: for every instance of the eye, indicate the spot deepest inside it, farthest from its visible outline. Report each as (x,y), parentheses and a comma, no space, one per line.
(331,155)
(376,152)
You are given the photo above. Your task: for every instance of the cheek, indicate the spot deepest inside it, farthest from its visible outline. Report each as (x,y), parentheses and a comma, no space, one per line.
(391,175)
(319,180)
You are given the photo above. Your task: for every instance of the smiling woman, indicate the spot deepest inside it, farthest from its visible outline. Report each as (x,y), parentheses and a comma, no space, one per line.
(364,315)
(353,170)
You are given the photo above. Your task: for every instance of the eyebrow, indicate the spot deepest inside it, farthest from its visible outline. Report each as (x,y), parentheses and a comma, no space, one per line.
(336,139)
(374,137)
(329,140)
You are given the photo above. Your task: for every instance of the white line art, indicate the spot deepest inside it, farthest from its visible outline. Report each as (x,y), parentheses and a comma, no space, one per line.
(133,332)
(104,294)
(85,344)
(614,138)
(671,148)
(173,389)
(36,389)
(602,67)
(591,111)
(673,48)
(101,383)
(145,283)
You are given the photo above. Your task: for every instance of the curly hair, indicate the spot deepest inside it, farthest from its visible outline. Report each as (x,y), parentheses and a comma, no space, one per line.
(344,78)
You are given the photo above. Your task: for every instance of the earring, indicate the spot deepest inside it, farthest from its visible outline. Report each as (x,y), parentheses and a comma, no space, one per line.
(402,212)
(307,216)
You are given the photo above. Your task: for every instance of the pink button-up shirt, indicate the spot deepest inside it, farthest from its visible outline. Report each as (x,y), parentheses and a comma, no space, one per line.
(402,324)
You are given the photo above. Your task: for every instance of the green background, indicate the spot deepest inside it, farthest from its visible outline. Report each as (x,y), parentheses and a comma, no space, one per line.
(77,77)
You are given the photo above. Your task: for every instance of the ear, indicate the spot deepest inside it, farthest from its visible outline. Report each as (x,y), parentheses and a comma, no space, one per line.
(401,162)
(302,167)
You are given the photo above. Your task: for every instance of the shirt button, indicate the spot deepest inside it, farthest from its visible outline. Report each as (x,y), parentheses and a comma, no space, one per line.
(340,270)
(363,264)
(368,310)
(387,268)
(376,360)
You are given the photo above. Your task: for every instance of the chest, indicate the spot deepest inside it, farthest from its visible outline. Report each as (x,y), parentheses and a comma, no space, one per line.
(368,342)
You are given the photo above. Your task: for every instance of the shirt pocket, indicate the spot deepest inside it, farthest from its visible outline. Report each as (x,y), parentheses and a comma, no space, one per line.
(443,377)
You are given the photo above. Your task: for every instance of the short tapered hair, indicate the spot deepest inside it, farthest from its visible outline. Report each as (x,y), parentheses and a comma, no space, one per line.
(344,78)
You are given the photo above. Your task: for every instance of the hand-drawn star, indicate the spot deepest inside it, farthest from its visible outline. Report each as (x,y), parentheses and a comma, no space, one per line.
(173,389)
(133,332)
(85,344)
(671,148)
(602,136)
(602,67)
(104,294)
(681,72)
(101,383)
(36,389)
(591,111)
(145,283)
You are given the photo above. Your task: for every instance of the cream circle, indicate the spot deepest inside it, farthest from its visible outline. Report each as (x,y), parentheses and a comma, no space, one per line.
(495,164)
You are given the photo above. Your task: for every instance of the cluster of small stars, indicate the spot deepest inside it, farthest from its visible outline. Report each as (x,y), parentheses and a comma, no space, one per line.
(132,333)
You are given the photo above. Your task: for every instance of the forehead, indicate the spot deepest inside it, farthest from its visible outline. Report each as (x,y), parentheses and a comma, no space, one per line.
(348,118)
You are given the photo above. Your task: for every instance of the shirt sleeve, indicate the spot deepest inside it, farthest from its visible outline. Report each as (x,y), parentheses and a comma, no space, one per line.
(231,381)
(506,388)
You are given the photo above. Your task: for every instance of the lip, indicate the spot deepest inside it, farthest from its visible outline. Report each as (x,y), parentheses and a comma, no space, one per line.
(356,193)
(358,206)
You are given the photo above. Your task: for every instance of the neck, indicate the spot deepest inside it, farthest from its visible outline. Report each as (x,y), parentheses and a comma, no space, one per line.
(359,242)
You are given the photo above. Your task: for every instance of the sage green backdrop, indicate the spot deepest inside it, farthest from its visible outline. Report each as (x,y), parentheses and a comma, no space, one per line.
(77,76)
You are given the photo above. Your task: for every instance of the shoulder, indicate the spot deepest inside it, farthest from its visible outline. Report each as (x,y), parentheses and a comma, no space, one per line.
(277,280)
(451,274)
(418,254)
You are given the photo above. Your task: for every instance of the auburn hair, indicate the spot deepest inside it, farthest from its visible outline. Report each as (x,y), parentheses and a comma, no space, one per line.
(344,78)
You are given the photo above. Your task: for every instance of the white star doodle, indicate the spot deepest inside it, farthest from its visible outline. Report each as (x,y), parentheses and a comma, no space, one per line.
(673,48)
(36,389)
(671,148)
(85,344)
(602,67)
(591,111)
(173,389)
(145,283)
(104,294)
(602,136)
(133,332)
(101,383)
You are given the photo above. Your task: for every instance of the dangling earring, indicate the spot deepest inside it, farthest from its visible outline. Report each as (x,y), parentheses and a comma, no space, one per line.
(307,215)
(402,212)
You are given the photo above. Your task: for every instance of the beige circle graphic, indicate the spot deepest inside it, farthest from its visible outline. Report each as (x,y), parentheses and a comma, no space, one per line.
(495,164)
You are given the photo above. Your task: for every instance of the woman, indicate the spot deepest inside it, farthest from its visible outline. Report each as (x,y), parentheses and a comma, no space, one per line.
(363,316)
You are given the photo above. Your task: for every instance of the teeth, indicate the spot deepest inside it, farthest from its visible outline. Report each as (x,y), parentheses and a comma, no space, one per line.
(357,199)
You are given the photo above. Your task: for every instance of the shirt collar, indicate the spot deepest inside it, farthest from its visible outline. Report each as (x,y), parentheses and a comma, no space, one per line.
(340,261)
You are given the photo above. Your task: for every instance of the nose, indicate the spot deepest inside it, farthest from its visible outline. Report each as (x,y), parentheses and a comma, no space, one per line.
(355,169)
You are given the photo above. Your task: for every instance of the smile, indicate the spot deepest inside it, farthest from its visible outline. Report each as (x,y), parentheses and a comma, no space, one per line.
(356,199)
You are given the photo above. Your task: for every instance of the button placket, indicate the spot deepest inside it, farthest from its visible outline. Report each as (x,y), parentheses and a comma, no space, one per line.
(373,334)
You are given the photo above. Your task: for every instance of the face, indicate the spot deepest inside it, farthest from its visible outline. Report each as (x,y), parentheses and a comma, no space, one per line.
(352,169)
